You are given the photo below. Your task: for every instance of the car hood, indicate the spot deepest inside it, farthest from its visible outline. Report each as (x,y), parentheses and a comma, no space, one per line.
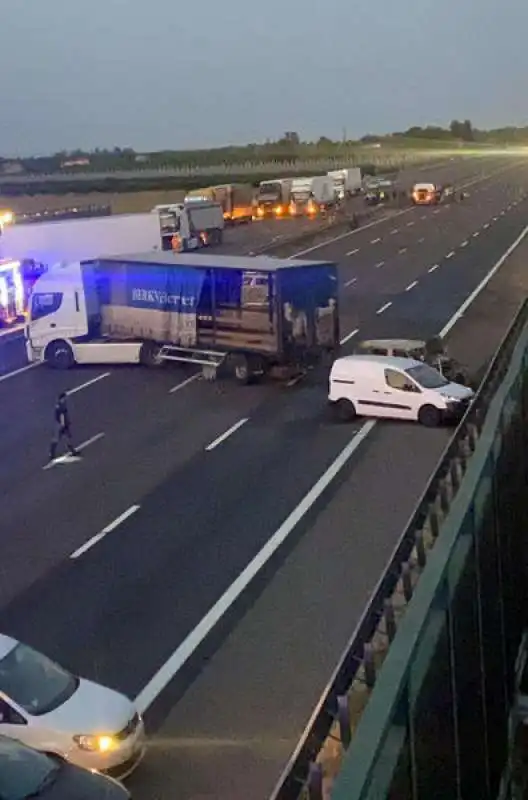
(92,709)
(457,391)
(75,783)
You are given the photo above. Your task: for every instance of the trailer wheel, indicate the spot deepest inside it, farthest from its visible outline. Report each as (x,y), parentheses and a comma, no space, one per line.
(241,369)
(149,355)
(59,355)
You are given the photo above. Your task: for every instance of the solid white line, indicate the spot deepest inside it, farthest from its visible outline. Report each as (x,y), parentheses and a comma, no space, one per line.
(433,268)
(466,304)
(351,281)
(20,371)
(495,219)
(375,241)
(424,216)
(353,252)
(411,286)
(88,383)
(379,264)
(384,308)
(227,434)
(349,336)
(464,244)
(66,458)
(184,383)
(109,528)
(195,638)
(450,254)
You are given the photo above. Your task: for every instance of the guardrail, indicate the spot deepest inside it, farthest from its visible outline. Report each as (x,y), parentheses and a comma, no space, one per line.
(303,775)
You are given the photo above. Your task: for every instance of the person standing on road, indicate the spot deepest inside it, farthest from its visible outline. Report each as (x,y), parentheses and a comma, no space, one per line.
(62,427)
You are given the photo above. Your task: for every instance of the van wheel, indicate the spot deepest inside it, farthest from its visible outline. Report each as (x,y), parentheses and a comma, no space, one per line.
(429,416)
(59,355)
(149,355)
(345,410)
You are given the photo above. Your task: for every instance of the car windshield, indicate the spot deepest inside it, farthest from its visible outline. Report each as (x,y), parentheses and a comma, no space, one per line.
(33,682)
(23,772)
(427,377)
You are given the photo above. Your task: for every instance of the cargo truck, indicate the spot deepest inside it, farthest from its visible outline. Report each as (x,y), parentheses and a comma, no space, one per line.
(311,196)
(190,225)
(236,200)
(273,198)
(347,182)
(248,316)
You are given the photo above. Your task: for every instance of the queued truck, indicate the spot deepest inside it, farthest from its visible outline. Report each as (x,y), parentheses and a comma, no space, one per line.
(236,200)
(28,250)
(273,198)
(190,225)
(347,182)
(311,196)
(248,316)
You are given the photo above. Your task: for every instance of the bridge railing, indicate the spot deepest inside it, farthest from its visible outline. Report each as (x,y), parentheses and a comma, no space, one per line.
(303,776)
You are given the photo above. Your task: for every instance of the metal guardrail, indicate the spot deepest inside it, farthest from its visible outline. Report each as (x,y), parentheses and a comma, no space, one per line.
(302,773)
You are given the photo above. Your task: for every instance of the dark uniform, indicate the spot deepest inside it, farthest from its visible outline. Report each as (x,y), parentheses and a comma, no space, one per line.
(62,428)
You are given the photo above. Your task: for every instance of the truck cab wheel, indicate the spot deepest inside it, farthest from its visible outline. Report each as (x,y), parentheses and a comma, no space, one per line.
(429,416)
(59,355)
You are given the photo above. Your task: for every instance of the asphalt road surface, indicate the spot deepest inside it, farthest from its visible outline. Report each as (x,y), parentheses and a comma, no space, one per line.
(115,565)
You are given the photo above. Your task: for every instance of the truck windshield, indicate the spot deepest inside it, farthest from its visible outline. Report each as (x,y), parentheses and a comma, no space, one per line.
(427,377)
(270,188)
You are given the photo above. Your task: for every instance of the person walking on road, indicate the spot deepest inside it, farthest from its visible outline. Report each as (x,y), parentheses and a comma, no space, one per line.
(62,428)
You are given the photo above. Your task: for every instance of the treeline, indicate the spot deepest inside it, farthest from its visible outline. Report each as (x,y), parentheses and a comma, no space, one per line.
(289,147)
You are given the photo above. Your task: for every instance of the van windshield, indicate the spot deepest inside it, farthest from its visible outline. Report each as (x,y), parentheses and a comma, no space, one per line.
(427,377)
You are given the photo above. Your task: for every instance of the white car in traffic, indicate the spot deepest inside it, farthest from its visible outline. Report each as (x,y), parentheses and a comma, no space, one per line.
(47,708)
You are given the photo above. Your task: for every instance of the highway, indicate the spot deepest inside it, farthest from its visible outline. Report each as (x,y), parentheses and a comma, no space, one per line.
(115,565)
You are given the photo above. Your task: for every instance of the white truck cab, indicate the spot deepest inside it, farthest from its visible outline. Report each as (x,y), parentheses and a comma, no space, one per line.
(395,388)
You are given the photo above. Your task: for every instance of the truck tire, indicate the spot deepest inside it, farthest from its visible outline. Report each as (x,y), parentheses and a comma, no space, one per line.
(429,416)
(149,355)
(242,370)
(59,355)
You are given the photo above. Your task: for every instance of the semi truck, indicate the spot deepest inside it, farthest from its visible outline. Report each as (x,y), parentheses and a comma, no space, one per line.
(347,182)
(273,198)
(190,225)
(247,316)
(311,196)
(236,200)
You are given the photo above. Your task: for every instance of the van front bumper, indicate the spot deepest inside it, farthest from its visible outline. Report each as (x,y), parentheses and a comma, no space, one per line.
(455,411)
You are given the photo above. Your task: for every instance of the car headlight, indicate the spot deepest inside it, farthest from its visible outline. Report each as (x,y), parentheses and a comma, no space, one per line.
(95,744)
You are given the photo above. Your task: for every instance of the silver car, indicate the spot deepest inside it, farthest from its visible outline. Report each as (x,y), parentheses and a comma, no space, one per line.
(47,708)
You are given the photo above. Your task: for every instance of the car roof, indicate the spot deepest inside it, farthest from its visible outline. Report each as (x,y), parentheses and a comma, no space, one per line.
(6,644)
(385,361)
(403,344)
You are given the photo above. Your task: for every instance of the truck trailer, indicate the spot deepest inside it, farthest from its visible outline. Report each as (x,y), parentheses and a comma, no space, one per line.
(273,198)
(247,316)
(311,196)
(236,200)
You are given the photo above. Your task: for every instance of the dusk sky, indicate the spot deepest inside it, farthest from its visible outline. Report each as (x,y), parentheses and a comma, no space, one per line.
(162,74)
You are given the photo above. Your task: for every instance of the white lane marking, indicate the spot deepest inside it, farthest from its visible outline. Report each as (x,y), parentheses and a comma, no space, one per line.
(184,383)
(109,528)
(421,240)
(464,243)
(410,224)
(394,231)
(402,250)
(450,254)
(494,219)
(351,281)
(353,252)
(67,458)
(411,286)
(384,308)
(14,329)
(486,225)
(436,211)
(349,336)
(375,241)
(20,371)
(379,264)
(227,434)
(484,282)
(433,268)
(502,213)
(424,216)
(196,637)
(477,233)
(88,383)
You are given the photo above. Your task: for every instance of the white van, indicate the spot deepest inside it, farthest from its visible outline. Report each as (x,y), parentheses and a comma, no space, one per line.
(396,388)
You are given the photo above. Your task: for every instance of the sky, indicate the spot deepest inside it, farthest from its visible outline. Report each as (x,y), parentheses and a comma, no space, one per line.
(161,74)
